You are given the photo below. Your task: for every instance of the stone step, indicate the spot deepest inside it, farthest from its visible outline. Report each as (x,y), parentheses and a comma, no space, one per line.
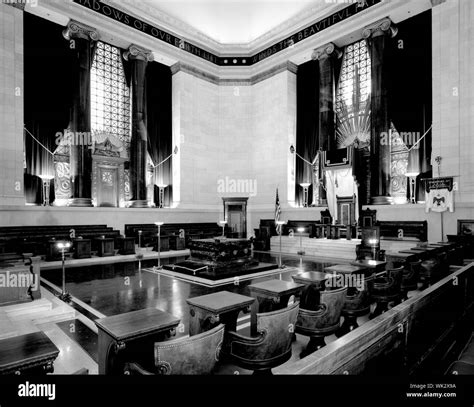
(55,315)
(24,309)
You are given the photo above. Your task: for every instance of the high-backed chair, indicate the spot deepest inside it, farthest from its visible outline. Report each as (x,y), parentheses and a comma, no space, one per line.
(272,345)
(194,355)
(356,304)
(387,289)
(411,275)
(321,321)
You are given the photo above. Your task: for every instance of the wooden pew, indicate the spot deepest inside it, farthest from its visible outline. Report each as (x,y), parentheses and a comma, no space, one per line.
(403,230)
(415,337)
(170,230)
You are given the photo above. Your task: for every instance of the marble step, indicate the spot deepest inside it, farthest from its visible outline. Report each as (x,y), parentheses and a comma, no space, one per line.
(28,308)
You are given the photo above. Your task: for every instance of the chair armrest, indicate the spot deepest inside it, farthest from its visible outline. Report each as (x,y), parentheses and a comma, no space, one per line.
(135,368)
(233,336)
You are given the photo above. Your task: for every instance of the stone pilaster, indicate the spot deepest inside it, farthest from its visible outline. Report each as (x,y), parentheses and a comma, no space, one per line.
(138,58)
(82,40)
(326,56)
(377,35)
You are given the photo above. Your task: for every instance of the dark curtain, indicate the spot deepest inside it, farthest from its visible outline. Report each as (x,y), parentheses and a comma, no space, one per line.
(307,123)
(47,98)
(158,79)
(410,103)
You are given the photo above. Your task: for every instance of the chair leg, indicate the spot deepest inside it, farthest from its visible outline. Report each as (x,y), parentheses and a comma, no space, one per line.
(380,308)
(349,324)
(315,343)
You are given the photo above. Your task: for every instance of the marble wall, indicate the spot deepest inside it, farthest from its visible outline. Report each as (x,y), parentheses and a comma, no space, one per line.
(230,131)
(11,106)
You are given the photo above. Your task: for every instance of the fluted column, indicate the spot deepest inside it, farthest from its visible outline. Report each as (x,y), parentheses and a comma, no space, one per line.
(377,36)
(82,40)
(326,56)
(139,59)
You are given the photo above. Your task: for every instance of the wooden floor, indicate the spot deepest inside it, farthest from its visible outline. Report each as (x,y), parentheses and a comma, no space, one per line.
(110,289)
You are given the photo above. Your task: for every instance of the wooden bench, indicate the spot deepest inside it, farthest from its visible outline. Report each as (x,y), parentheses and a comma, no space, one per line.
(171,232)
(403,230)
(40,240)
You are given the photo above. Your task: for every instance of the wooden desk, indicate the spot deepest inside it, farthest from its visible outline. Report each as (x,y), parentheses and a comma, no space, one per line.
(105,246)
(401,257)
(31,354)
(130,337)
(272,295)
(422,254)
(82,248)
(313,278)
(430,250)
(346,269)
(208,311)
(377,265)
(125,245)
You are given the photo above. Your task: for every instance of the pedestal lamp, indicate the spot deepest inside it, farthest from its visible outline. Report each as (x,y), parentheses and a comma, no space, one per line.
(46,182)
(305,186)
(64,246)
(161,195)
(159,224)
(280,223)
(301,251)
(222,223)
(413,170)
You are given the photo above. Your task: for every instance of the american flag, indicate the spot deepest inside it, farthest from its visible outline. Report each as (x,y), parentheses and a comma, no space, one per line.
(277,212)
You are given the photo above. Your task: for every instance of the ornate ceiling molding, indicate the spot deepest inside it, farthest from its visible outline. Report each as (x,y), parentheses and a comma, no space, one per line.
(199,73)
(157,32)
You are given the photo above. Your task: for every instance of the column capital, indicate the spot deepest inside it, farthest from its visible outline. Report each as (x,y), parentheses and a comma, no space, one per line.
(136,52)
(381,27)
(326,51)
(75,29)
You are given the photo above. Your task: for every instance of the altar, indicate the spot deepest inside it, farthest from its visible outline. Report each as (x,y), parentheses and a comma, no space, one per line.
(217,258)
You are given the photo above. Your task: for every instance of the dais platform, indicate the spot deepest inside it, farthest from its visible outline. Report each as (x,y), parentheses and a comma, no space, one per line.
(340,249)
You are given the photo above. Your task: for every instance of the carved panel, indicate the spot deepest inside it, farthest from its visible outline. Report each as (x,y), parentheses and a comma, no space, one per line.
(62,180)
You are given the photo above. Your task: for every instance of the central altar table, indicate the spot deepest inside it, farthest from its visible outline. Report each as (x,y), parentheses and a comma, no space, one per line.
(219,257)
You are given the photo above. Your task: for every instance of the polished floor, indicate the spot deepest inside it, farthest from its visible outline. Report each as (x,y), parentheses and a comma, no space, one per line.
(105,290)
(111,289)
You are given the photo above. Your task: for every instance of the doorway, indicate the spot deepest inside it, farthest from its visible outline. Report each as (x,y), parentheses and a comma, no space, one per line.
(108,187)
(235,212)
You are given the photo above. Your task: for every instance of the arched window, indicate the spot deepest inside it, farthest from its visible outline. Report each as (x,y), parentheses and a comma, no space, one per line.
(110,95)
(353,96)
